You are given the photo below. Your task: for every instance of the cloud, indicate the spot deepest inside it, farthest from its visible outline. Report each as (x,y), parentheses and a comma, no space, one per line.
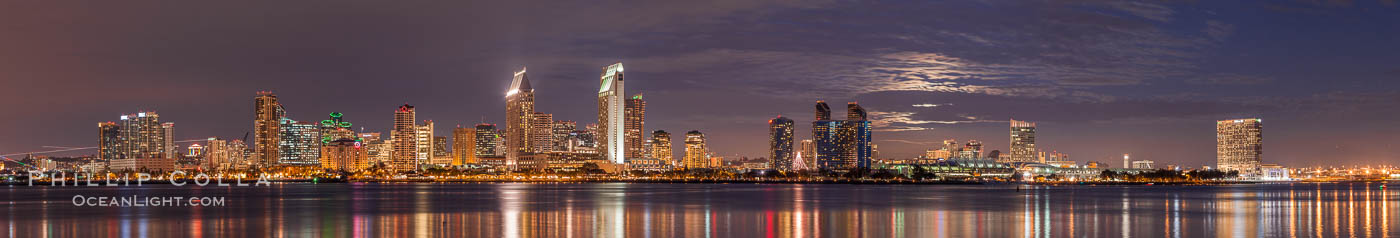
(1230,79)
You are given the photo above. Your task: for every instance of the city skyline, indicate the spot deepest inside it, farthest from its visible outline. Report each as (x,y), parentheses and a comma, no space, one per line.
(918,92)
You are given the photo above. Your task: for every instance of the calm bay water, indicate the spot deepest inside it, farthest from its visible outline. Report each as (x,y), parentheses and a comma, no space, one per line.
(718,210)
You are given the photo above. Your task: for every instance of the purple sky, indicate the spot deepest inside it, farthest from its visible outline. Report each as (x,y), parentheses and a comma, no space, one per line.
(1100,78)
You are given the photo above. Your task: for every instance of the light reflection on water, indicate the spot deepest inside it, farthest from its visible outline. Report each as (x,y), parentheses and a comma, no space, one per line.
(718,210)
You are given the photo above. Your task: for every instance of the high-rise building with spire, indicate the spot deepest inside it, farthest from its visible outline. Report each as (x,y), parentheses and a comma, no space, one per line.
(266,129)
(634,132)
(780,136)
(404,156)
(520,122)
(611,115)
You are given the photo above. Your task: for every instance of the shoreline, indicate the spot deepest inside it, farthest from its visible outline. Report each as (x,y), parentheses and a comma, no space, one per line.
(252,183)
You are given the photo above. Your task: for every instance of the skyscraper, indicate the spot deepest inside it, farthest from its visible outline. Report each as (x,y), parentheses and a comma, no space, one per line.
(463,145)
(336,128)
(842,144)
(440,156)
(267,133)
(780,154)
(611,120)
(1239,145)
(405,153)
(520,118)
(217,157)
(696,153)
(142,136)
(344,154)
(1022,143)
(486,140)
(108,141)
(301,143)
(562,134)
(424,138)
(168,129)
(542,133)
(379,150)
(636,112)
(807,151)
(661,146)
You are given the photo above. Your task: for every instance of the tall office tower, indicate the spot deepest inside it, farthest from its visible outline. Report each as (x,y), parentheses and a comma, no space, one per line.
(542,133)
(142,136)
(1022,142)
(972,150)
(780,154)
(635,122)
(108,141)
(424,138)
(336,128)
(404,156)
(697,155)
(486,138)
(661,146)
(301,143)
(377,149)
(807,149)
(440,152)
(611,119)
(217,157)
(267,133)
(344,154)
(562,132)
(1239,145)
(463,145)
(858,125)
(168,131)
(520,118)
(842,144)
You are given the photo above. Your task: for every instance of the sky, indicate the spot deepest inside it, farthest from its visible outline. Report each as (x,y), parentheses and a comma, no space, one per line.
(1101,78)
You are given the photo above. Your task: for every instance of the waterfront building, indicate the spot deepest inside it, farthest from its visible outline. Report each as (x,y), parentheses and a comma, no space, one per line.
(1239,145)
(780,136)
(634,126)
(842,144)
(696,153)
(440,152)
(562,133)
(267,133)
(807,152)
(463,145)
(168,132)
(423,138)
(972,150)
(1143,164)
(377,149)
(194,151)
(142,136)
(108,141)
(542,133)
(1022,143)
(344,154)
(336,128)
(486,137)
(405,153)
(611,115)
(520,119)
(661,147)
(217,157)
(301,143)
